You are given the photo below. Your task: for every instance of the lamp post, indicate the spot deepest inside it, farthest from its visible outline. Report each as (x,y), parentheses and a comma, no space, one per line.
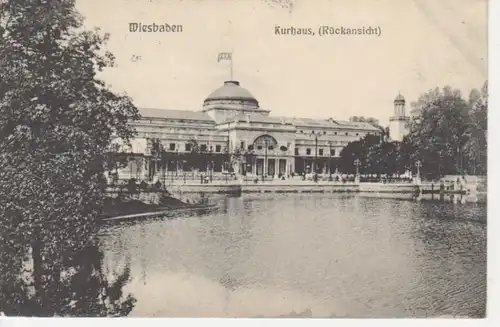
(164,163)
(315,151)
(227,162)
(474,156)
(212,165)
(210,162)
(155,153)
(176,162)
(418,164)
(183,171)
(330,159)
(357,163)
(264,170)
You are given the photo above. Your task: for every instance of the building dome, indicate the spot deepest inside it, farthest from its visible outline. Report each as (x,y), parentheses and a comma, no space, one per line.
(231,92)
(399,97)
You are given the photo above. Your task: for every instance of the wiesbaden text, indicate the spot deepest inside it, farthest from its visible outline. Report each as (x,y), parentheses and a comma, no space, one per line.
(153,28)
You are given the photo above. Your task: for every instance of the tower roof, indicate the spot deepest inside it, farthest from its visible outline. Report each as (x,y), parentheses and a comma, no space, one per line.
(399,97)
(231,90)
(230,94)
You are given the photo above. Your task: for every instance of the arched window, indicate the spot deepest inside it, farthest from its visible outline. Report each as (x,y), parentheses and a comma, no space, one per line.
(264,141)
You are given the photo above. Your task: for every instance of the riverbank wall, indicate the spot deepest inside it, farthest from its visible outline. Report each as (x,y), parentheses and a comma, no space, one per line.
(468,189)
(473,191)
(300,188)
(392,191)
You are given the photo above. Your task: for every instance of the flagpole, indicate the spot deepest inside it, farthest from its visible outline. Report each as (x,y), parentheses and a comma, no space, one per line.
(232,64)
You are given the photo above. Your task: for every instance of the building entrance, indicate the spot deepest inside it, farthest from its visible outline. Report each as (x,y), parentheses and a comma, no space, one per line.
(271,164)
(282,166)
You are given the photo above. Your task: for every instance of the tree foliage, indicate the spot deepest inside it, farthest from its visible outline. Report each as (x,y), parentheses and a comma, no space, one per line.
(447,135)
(83,288)
(475,148)
(57,120)
(241,156)
(362,119)
(195,155)
(446,132)
(360,149)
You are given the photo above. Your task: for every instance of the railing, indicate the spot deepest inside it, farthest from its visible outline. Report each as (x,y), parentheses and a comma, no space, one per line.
(385,180)
(217,177)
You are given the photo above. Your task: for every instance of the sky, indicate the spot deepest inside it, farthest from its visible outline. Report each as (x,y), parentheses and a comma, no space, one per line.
(423,44)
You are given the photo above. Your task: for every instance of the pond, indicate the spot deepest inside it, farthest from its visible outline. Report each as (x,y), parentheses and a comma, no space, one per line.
(316,255)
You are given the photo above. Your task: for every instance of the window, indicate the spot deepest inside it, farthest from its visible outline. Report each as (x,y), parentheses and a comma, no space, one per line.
(270,147)
(335,133)
(203,147)
(324,132)
(346,133)
(296,151)
(308,151)
(332,152)
(217,148)
(187,147)
(259,147)
(265,141)
(172,146)
(242,145)
(357,134)
(320,152)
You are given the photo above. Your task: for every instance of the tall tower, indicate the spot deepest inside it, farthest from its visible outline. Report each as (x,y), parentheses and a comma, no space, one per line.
(398,124)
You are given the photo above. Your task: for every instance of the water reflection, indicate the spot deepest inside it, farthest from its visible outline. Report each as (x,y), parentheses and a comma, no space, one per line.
(73,282)
(340,256)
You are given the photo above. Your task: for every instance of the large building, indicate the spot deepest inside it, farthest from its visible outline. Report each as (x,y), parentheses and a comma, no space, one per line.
(231,121)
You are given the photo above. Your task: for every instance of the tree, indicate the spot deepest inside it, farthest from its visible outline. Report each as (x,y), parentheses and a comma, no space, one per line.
(438,132)
(194,154)
(362,119)
(57,120)
(448,135)
(164,163)
(240,157)
(228,158)
(115,158)
(237,158)
(84,290)
(385,133)
(156,153)
(361,150)
(476,145)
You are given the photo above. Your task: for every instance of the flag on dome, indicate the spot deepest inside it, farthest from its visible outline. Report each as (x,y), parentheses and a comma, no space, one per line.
(225,56)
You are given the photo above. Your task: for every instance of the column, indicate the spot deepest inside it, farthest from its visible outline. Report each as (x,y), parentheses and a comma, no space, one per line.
(276,166)
(143,170)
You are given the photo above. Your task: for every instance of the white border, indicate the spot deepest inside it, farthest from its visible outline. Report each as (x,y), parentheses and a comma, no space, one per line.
(493,305)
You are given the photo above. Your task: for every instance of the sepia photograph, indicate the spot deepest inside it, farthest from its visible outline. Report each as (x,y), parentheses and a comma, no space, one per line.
(244,158)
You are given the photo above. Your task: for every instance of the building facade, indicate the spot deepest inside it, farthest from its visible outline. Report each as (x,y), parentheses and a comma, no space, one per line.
(231,133)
